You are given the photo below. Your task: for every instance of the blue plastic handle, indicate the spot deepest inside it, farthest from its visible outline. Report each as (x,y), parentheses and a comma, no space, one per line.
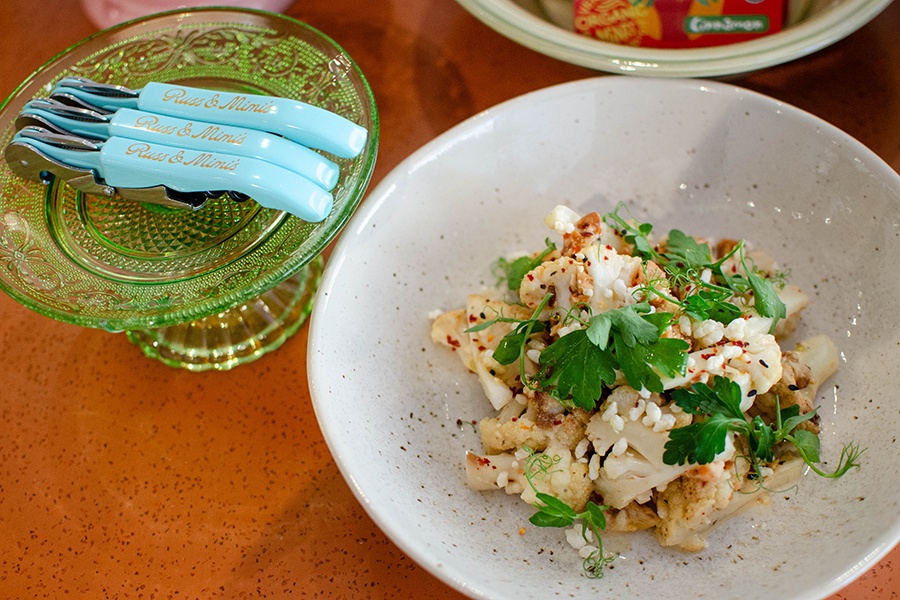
(126,163)
(197,135)
(303,123)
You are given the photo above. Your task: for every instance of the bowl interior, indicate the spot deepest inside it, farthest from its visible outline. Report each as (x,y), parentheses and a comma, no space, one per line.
(121,264)
(709,159)
(541,25)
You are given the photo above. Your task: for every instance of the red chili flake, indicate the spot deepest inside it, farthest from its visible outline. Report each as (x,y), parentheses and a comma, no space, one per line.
(740,343)
(608,247)
(453,342)
(472,318)
(483,462)
(557,422)
(530,277)
(482,348)
(707,356)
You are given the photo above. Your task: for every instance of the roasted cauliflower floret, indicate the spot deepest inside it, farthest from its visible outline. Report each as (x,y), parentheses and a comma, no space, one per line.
(564,478)
(744,351)
(803,371)
(634,517)
(687,505)
(544,419)
(694,504)
(476,348)
(631,434)
(496,471)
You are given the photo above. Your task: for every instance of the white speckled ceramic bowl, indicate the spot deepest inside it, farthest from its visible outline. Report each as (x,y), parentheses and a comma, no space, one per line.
(541,26)
(708,158)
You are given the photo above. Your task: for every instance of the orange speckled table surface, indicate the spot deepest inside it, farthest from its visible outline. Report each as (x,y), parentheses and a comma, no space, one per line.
(123,478)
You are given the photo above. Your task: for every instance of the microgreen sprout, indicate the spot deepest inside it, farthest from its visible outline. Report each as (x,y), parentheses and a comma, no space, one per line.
(553,512)
(511,272)
(704,289)
(719,412)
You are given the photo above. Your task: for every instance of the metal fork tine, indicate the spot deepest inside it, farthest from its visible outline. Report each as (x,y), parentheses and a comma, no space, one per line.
(74,101)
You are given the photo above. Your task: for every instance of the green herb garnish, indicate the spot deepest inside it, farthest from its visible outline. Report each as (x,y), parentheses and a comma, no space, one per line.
(578,365)
(512,272)
(553,512)
(718,407)
(684,261)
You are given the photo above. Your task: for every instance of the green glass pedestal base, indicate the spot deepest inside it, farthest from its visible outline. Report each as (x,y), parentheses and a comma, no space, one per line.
(239,335)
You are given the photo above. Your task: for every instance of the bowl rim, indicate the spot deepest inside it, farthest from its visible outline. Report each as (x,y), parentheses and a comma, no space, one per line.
(819,31)
(379,200)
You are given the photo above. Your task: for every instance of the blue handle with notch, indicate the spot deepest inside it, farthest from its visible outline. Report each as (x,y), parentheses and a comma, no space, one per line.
(303,123)
(125,163)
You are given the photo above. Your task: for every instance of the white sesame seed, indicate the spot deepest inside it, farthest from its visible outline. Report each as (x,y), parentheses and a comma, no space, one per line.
(611,410)
(635,413)
(617,423)
(582,447)
(594,467)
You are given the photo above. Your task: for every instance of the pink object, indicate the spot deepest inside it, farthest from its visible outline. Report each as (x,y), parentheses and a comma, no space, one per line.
(106,13)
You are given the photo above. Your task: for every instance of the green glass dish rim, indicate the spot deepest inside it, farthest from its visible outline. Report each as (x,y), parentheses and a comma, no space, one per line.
(332,226)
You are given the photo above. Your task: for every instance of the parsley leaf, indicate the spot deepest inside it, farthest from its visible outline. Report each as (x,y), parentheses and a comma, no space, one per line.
(683,248)
(513,272)
(699,442)
(718,408)
(669,355)
(711,304)
(580,363)
(574,367)
(724,396)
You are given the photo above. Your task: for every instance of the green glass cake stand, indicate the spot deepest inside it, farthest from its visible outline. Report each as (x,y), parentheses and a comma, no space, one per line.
(205,289)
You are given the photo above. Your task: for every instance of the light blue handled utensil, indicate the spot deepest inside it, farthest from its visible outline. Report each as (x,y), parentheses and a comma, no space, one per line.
(126,164)
(303,123)
(193,135)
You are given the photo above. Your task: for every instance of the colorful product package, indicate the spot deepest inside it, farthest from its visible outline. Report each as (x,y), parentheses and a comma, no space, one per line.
(678,23)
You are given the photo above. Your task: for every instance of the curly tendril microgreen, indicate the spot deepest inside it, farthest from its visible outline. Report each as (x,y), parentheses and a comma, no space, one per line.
(553,512)
(684,262)
(718,412)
